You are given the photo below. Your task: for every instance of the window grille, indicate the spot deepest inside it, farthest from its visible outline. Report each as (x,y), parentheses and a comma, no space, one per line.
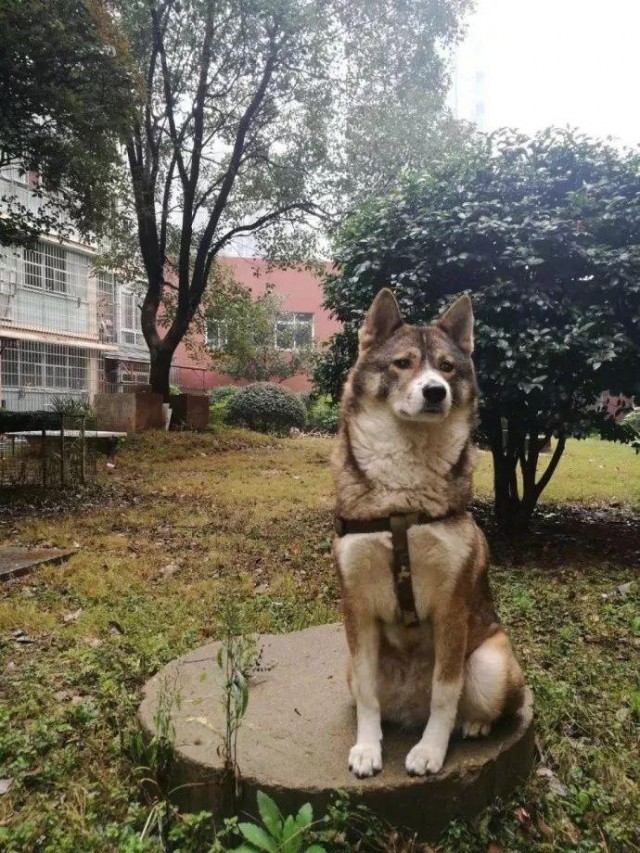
(294,331)
(52,290)
(45,267)
(35,374)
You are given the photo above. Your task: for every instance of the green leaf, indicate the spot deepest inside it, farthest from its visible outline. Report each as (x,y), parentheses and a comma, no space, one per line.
(291,836)
(258,837)
(270,814)
(305,816)
(315,848)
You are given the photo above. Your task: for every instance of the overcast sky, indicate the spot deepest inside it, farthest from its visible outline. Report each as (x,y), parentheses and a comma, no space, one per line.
(560,62)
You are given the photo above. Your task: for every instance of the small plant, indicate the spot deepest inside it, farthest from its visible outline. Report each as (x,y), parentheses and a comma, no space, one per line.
(73,407)
(267,408)
(155,759)
(323,415)
(278,834)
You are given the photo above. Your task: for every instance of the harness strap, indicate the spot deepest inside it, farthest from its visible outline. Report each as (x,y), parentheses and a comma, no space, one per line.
(398,524)
(402,571)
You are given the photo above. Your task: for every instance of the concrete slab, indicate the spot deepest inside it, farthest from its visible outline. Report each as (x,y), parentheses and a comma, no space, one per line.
(299,726)
(19,561)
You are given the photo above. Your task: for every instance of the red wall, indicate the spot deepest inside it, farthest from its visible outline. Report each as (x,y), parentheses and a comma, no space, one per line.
(302,291)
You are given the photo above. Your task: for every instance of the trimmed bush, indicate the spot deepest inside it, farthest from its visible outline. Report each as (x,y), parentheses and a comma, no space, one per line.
(266,407)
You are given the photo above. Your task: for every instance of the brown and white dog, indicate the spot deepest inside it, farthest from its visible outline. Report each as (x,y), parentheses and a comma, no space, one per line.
(404,447)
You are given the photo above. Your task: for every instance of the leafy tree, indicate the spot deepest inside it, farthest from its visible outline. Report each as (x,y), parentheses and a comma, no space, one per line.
(252,341)
(545,234)
(64,102)
(247,126)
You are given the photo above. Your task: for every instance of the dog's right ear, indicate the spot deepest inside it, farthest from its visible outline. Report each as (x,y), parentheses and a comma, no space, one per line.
(383,318)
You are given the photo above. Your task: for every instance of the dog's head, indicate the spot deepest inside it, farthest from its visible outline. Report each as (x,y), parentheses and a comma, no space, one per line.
(422,372)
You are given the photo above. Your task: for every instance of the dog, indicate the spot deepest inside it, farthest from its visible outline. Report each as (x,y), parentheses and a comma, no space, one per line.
(425,646)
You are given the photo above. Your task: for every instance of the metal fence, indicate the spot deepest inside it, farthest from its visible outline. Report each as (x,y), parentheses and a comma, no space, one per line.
(45,449)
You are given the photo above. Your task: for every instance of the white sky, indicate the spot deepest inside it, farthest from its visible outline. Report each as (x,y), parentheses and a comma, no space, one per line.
(559,62)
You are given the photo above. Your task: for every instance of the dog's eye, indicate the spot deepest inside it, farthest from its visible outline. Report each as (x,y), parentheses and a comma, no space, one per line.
(445,366)
(402,363)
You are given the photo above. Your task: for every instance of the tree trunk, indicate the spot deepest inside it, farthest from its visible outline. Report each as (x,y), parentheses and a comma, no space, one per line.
(160,371)
(520,445)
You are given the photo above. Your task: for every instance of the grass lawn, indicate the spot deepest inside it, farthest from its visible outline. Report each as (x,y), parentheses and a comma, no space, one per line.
(246,518)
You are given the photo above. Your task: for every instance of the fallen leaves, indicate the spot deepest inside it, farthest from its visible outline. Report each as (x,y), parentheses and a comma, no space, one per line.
(555,785)
(168,570)
(72,616)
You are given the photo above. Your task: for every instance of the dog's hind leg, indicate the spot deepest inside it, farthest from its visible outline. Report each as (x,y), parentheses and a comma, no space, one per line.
(365,757)
(492,686)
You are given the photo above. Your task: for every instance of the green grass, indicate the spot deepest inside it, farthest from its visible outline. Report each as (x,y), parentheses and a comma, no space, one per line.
(590,472)
(247,519)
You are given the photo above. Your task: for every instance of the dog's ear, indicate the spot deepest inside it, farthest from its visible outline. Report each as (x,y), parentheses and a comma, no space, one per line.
(383,318)
(457,322)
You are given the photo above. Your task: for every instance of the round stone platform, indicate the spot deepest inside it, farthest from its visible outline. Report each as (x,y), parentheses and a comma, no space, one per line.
(295,738)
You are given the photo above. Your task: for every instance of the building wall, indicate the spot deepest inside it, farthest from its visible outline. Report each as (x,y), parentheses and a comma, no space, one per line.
(50,346)
(302,293)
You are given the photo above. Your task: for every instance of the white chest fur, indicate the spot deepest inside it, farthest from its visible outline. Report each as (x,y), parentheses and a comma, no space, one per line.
(398,455)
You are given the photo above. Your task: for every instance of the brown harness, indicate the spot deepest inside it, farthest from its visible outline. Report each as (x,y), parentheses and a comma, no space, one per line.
(398,525)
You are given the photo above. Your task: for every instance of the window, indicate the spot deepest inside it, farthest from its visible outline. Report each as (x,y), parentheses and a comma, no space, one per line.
(45,267)
(28,364)
(217,334)
(294,330)
(130,320)
(106,307)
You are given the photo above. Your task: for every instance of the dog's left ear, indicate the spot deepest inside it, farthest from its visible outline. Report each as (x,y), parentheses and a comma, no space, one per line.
(457,322)
(383,317)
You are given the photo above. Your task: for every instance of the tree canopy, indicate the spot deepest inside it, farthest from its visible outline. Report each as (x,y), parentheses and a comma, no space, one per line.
(65,97)
(254,339)
(259,118)
(544,233)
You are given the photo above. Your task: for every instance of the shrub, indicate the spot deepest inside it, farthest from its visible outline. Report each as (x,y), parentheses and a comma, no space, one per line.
(545,234)
(223,393)
(323,415)
(266,407)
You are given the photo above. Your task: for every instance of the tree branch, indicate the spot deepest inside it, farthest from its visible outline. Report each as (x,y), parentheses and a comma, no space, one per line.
(553,464)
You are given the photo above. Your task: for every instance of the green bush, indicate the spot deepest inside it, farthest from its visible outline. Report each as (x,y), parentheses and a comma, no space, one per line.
(323,415)
(266,407)
(223,393)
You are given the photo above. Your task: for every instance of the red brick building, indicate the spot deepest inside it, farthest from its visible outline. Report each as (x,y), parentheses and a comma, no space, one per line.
(302,293)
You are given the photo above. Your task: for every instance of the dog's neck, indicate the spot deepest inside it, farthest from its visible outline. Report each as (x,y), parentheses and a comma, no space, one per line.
(385,465)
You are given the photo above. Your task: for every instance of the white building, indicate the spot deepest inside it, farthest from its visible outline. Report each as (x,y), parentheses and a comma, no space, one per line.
(66,331)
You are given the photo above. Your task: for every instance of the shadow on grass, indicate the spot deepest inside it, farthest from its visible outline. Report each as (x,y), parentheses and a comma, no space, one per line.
(566,534)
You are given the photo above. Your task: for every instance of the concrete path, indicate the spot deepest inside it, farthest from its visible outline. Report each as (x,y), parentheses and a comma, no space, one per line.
(19,561)
(296,735)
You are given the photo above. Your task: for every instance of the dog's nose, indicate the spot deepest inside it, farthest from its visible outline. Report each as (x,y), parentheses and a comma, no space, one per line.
(434,393)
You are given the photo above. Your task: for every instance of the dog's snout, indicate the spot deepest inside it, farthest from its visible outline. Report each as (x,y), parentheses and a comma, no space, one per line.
(434,393)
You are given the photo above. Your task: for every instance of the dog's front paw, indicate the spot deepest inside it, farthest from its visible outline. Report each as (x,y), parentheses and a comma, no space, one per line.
(425,758)
(365,759)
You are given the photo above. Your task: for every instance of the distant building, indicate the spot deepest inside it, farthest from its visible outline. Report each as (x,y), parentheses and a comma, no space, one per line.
(68,331)
(303,313)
